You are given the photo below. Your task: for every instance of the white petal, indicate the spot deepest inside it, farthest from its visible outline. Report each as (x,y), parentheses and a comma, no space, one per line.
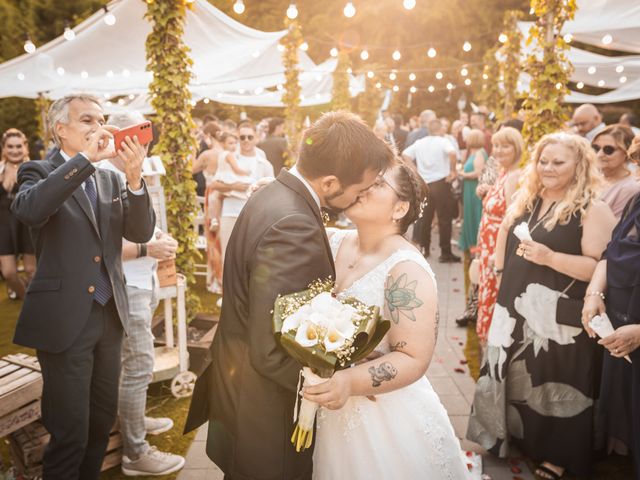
(325,304)
(333,340)
(302,335)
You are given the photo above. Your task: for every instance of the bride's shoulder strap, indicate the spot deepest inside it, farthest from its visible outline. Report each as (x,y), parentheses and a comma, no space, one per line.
(408,255)
(336,235)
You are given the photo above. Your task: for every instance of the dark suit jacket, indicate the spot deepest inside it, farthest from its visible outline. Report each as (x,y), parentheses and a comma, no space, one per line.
(248,392)
(70,245)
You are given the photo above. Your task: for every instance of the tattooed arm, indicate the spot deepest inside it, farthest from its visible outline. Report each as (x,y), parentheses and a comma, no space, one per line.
(411,304)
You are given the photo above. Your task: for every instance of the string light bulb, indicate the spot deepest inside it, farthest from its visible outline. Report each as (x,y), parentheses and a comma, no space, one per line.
(396,55)
(467,47)
(378,85)
(409,4)
(333,52)
(623,79)
(109,18)
(369,74)
(568,37)
(449,86)
(304,47)
(60,71)
(238,7)
(601,83)
(412,77)
(431,89)
(69,34)
(292,11)
(396,88)
(607,39)
(592,70)
(580,85)
(431,53)
(485,76)
(467,81)
(620,69)
(349,10)
(413,89)
(464,72)
(364,55)
(558,86)
(439,75)
(392,76)
(503,38)
(29,46)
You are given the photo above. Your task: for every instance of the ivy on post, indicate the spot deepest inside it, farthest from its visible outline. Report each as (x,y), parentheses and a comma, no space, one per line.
(510,65)
(168,60)
(292,89)
(549,69)
(340,94)
(369,100)
(42,107)
(491,93)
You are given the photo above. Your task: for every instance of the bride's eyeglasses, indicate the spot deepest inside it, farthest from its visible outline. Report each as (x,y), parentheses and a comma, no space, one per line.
(380,181)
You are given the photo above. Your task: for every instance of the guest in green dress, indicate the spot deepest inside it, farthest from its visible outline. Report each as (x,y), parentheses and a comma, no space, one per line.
(471,203)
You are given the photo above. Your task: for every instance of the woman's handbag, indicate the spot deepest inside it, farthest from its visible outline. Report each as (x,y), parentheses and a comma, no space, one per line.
(569,310)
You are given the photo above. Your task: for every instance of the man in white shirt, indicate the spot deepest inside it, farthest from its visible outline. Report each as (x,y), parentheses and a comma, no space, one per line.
(139,265)
(248,159)
(435,159)
(587,121)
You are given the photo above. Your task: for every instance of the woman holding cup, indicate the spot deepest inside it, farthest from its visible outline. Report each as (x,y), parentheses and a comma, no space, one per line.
(615,290)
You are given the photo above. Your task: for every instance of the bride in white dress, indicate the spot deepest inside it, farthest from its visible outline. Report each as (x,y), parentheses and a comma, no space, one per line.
(382,419)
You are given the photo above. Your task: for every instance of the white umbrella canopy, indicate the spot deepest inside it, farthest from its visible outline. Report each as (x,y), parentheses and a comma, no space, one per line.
(111,60)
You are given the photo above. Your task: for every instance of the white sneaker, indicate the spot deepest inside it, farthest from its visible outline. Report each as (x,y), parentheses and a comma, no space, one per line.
(156,426)
(153,462)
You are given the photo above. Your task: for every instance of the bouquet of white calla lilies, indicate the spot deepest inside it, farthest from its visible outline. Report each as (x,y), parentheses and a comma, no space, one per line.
(323,334)
(522,231)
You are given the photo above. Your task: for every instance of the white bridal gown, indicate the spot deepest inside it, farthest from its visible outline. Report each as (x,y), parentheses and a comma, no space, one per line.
(405,434)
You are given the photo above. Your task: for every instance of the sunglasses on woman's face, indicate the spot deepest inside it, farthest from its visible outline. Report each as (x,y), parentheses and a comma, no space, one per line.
(244,138)
(607,149)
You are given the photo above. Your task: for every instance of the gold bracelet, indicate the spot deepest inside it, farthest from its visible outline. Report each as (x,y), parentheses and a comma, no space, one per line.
(595,293)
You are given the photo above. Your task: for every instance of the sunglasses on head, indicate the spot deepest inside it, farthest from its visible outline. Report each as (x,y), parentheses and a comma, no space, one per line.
(607,149)
(246,137)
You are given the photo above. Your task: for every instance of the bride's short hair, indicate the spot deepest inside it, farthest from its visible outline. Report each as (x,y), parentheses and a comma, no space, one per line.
(410,188)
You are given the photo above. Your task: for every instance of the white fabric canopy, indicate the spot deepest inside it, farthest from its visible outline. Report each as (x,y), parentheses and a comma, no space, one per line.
(111,60)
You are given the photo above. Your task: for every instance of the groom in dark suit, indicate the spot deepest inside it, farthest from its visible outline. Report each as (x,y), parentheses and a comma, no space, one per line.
(76,305)
(278,246)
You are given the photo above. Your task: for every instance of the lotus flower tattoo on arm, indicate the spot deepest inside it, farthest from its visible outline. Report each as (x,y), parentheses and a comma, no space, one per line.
(400,297)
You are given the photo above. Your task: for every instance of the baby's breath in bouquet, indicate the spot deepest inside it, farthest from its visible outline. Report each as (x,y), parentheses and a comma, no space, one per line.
(324,334)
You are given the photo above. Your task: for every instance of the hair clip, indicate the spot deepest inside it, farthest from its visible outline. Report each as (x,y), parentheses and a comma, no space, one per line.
(423,205)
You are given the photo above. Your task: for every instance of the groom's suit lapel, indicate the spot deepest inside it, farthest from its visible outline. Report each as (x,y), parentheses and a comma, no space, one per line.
(297,186)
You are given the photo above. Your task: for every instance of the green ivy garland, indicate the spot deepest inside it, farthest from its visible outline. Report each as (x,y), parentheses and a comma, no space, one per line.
(549,69)
(510,65)
(168,59)
(340,95)
(491,94)
(292,89)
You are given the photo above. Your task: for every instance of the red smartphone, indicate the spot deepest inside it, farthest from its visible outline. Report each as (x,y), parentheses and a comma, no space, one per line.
(143,131)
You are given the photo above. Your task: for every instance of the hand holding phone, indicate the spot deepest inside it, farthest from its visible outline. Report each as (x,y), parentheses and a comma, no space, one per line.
(143,131)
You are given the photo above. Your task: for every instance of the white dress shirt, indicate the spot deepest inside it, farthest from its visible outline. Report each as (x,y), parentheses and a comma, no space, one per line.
(294,171)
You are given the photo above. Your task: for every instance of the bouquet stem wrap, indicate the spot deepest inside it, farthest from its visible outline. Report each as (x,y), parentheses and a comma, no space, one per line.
(303,433)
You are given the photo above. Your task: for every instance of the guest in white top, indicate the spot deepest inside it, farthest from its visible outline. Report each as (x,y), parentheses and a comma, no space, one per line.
(236,193)
(435,157)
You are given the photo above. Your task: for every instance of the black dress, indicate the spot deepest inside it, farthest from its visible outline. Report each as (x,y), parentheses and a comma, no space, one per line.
(537,384)
(620,393)
(14,236)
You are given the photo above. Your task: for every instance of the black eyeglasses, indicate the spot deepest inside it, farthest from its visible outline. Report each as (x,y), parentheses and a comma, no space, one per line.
(607,149)
(246,137)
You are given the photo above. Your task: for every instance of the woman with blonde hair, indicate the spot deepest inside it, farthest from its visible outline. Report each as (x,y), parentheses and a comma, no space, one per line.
(496,198)
(14,236)
(471,203)
(611,146)
(539,380)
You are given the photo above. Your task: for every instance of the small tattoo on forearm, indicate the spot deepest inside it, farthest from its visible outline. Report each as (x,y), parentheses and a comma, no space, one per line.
(400,296)
(398,346)
(384,372)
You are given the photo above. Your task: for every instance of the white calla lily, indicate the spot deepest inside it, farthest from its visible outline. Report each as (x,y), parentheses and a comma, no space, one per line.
(307,334)
(325,304)
(334,339)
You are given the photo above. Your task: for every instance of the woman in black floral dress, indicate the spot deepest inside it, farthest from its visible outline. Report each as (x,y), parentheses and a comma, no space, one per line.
(539,376)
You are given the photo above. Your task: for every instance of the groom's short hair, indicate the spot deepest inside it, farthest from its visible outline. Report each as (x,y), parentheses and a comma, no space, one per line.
(341,144)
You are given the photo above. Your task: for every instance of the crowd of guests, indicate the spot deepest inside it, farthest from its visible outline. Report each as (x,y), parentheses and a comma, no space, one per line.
(546,385)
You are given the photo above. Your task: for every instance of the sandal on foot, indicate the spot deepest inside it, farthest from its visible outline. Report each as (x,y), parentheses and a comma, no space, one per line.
(545,472)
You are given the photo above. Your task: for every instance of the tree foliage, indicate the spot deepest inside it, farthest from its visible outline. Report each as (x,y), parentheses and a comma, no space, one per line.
(510,67)
(168,59)
(548,68)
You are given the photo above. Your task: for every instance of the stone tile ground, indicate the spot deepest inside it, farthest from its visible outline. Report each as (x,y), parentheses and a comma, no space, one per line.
(454,388)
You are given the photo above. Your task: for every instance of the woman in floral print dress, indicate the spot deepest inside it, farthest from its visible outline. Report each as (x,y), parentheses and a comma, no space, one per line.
(539,377)
(507,151)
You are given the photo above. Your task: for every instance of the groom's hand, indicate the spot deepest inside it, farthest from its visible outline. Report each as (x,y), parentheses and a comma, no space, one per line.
(333,393)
